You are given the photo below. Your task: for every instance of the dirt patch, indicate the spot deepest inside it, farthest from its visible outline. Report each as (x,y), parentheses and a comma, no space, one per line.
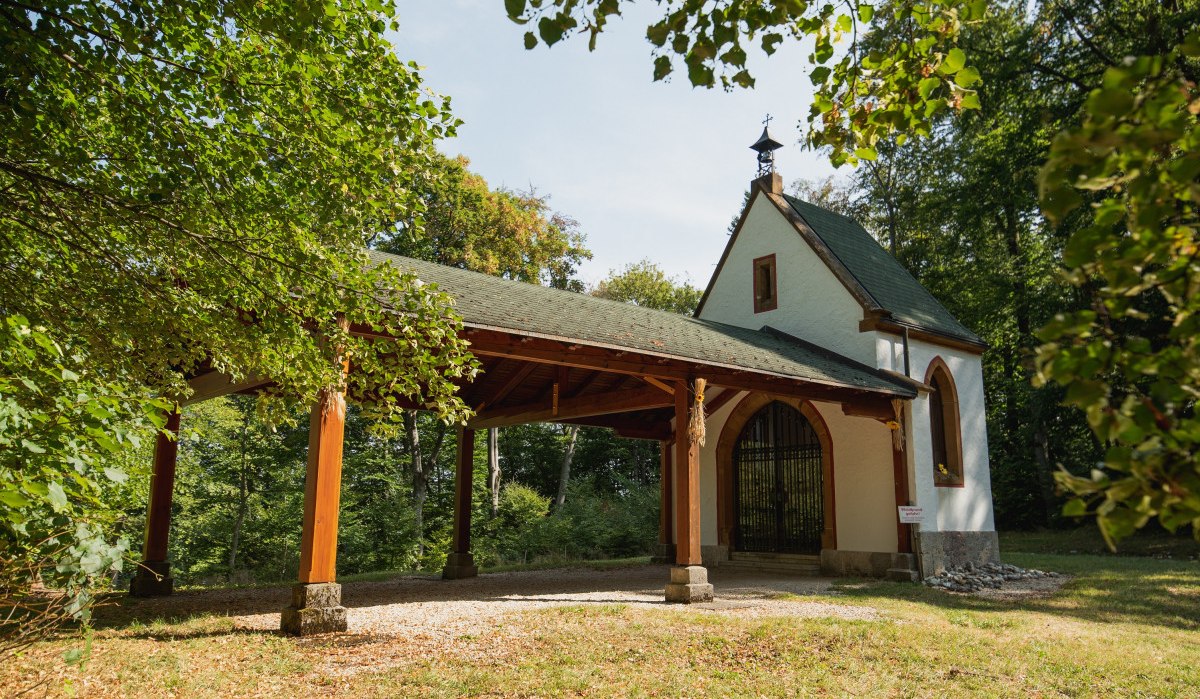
(1034,588)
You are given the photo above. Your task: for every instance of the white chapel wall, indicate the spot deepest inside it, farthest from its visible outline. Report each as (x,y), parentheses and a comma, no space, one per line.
(953,509)
(813,303)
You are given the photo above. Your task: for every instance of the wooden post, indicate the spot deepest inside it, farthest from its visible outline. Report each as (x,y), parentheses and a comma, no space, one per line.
(666,537)
(689,579)
(460,563)
(322,489)
(900,477)
(153,577)
(317,600)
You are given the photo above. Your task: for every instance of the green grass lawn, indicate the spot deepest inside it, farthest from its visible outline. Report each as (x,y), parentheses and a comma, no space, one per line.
(1122,626)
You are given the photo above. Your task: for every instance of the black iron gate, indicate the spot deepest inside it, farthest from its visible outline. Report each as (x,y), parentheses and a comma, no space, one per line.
(777,484)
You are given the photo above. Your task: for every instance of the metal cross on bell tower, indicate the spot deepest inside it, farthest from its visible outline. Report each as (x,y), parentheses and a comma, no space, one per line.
(766,146)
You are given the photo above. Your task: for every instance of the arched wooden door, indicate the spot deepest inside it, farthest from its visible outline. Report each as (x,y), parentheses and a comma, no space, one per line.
(778,493)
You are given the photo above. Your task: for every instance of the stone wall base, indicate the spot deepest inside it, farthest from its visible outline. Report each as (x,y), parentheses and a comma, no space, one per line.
(689,584)
(714,555)
(459,566)
(871,564)
(942,550)
(152,579)
(316,608)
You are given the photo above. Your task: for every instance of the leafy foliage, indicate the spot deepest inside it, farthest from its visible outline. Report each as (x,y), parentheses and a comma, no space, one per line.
(1132,360)
(645,284)
(862,95)
(63,427)
(464,223)
(190,185)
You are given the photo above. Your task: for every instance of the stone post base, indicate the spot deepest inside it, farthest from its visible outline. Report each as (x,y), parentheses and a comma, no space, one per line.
(663,553)
(689,584)
(316,608)
(152,579)
(458,566)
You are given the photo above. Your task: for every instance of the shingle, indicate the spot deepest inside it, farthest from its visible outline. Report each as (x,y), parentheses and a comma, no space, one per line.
(492,302)
(884,278)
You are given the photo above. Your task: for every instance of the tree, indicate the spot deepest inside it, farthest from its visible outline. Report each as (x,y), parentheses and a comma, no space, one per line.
(905,71)
(646,284)
(862,95)
(189,185)
(464,223)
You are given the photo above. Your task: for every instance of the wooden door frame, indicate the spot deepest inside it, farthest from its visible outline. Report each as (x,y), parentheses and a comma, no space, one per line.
(746,409)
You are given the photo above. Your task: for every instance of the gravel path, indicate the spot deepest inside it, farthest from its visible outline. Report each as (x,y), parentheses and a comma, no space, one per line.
(427,608)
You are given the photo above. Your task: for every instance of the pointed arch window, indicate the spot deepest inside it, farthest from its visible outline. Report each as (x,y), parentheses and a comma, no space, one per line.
(945,429)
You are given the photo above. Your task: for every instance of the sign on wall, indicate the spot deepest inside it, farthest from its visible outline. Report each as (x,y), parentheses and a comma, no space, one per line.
(910,514)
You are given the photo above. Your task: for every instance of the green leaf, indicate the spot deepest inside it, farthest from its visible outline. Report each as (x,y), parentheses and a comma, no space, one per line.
(954,60)
(927,86)
(819,74)
(865,12)
(514,8)
(116,475)
(966,77)
(13,499)
(530,41)
(57,497)
(1074,508)
(865,153)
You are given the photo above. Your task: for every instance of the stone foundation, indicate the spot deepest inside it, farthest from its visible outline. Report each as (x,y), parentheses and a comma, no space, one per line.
(459,566)
(152,579)
(713,556)
(870,564)
(689,584)
(316,608)
(941,550)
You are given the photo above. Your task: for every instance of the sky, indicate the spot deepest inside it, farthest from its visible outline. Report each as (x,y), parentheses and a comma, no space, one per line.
(650,170)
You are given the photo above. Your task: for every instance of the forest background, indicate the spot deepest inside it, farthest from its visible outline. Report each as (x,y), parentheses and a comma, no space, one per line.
(960,209)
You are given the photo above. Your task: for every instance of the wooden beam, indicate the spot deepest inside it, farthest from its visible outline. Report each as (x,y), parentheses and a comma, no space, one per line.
(215,384)
(687,484)
(572,408)
(513,381)
(723,397)
(585,384)
(322,488)
(876,408)
(659,384)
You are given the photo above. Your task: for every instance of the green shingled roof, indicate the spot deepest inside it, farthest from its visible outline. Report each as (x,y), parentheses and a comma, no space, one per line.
(490,302)
(884,278)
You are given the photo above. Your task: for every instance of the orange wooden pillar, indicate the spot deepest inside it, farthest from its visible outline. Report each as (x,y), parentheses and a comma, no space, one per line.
(317,600)
(460,563)
(153,576)
(689,579)
(666,533)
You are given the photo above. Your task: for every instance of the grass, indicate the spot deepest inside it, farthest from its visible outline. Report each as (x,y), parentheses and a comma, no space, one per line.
(1122,626)
(1087,539)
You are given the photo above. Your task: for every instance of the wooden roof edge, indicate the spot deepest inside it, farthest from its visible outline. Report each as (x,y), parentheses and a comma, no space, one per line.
(902,392)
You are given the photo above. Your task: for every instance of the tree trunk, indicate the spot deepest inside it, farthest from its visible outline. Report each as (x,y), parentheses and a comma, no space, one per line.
(242,503)
(418,478)
(564,476)
(493,449)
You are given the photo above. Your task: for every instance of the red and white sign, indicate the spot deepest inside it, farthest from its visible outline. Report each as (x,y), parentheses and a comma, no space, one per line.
(910,515)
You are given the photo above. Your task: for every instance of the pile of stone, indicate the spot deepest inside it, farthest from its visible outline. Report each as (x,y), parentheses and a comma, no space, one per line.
(973,578)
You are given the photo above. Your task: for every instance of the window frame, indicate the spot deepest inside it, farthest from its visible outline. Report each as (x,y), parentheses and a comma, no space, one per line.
(761,304)
(940,379)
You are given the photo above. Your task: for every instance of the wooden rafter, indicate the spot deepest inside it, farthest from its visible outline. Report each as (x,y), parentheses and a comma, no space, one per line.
(572,408)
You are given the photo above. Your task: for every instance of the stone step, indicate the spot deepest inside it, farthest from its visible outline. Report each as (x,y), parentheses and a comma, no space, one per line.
(777,559)
(782,569)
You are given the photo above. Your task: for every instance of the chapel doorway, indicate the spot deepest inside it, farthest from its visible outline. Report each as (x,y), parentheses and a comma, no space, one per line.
(778,490)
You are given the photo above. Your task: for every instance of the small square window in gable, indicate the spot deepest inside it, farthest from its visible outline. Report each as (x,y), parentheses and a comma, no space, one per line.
(766,295)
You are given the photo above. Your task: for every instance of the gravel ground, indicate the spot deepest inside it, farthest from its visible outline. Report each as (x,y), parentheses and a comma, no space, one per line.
(425,607)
